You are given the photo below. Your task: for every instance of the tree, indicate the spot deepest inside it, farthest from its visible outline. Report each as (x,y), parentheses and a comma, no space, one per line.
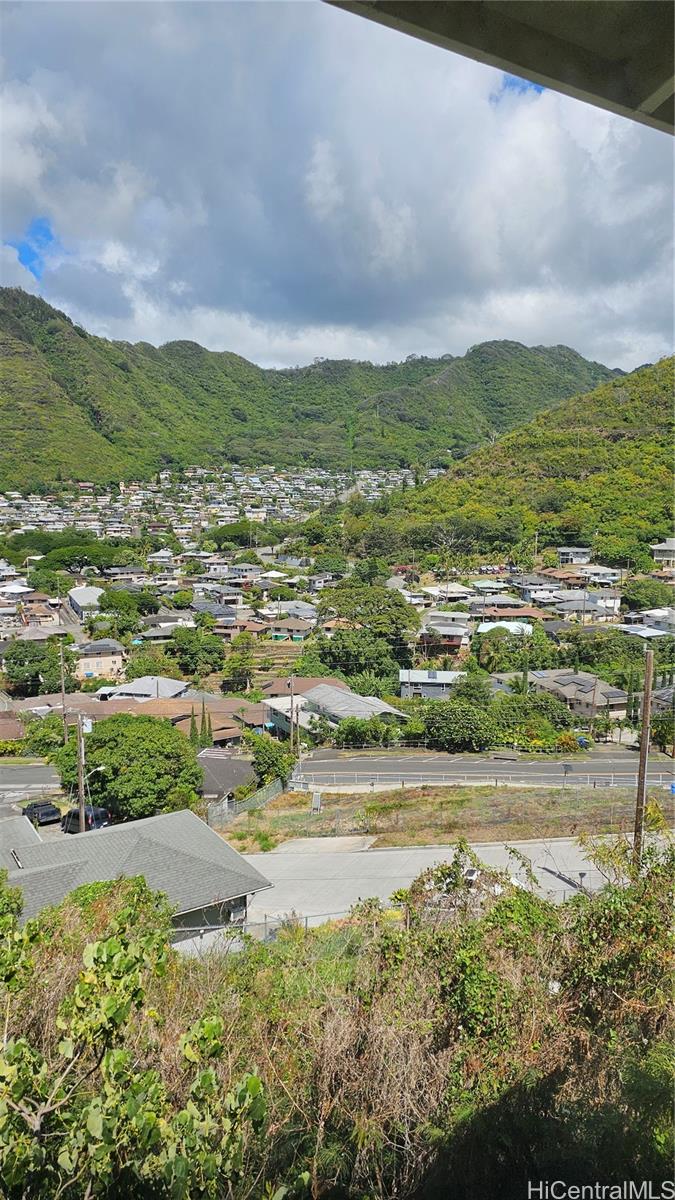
(152,661)
(205,731)
(367,683)
(133,762)
(663,730)
(239,667)
(182,599)
(34,669)
(454,726)
(371,570)
(196,652)
(639,594)
(44,735)
(473,689)
(331,560)
(271,759)
(193,735)
(352,651)
(357,731)
(382,611)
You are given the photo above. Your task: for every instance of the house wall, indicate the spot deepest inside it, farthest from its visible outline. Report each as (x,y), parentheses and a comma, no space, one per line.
(110,666)
(428,691)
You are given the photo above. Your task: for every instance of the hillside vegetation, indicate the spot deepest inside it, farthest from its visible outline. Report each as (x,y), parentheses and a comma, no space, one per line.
(75,405)
(595,470)
(473,1038)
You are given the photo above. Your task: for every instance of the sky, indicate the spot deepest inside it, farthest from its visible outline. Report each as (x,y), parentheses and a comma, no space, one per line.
(287,181)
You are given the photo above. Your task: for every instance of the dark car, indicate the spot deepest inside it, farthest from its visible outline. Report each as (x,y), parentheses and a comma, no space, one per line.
(94,818)
(42,812)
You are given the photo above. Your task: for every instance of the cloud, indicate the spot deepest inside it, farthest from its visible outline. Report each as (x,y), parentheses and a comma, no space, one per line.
(286,180)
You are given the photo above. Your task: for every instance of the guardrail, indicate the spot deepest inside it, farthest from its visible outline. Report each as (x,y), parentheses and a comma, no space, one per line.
(543,779)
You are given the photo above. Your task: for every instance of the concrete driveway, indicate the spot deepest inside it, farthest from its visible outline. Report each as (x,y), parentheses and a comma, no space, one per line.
(328,881)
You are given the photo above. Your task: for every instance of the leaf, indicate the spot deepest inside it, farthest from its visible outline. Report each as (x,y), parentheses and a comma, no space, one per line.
(90,954)
(95,1122)
(66,1047)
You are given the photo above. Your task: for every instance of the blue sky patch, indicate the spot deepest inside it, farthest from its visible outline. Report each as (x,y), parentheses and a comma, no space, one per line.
(33,246)
(513,83)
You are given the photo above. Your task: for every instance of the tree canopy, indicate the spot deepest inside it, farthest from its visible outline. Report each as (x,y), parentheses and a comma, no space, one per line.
(133,765)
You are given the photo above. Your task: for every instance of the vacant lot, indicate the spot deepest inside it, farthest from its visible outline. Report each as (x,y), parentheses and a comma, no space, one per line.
(428,815)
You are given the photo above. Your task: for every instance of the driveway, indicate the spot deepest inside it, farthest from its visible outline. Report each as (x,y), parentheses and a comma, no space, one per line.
(328,882)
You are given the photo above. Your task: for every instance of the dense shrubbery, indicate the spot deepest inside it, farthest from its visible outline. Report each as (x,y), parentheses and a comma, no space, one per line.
(484,1036)
(571,475)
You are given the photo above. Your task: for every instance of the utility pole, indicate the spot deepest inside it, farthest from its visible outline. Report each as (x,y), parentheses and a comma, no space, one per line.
(63,695)
(80,772)
(292,714)
(644,761)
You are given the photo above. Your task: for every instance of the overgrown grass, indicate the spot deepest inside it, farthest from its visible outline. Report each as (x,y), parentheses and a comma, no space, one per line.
(395,1058)
(433,815)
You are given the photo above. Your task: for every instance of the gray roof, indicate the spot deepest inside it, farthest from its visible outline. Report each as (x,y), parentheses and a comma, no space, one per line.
(102,646)
(85,595)
(176,853)
(15,832)
(154,687)
(339,703)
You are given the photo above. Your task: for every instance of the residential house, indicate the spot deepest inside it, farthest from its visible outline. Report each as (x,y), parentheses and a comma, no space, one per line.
(431,685)
(289,629)
(584,693)
(601,576)
(148,687)
(663,553)
(84,600)
(104,657)
(280,686)
(655,618)
(663,699)
(334,704)
(444,636)
(207,883)
(573,554)
(243,571)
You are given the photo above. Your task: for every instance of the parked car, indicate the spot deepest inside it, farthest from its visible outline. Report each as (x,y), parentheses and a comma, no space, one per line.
(94,818)
(42,812)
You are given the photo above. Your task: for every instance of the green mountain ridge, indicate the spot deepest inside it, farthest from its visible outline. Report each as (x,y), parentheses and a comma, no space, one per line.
(73,405)
(595,470)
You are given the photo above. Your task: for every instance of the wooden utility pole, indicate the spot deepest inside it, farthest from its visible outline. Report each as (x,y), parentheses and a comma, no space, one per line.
(80,772)
(644,761)
(63,694)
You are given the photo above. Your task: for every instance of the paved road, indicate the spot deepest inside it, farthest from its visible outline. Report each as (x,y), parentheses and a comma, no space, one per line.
(330,881)
(611,768)
(22,783)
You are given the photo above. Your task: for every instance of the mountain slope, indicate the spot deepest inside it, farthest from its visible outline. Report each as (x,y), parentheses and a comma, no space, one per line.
(77,405)
(595,470)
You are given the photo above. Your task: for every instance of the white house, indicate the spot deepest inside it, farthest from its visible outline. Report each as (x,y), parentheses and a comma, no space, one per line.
(432,685)
(663,553)
(84,600)
(573,554)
